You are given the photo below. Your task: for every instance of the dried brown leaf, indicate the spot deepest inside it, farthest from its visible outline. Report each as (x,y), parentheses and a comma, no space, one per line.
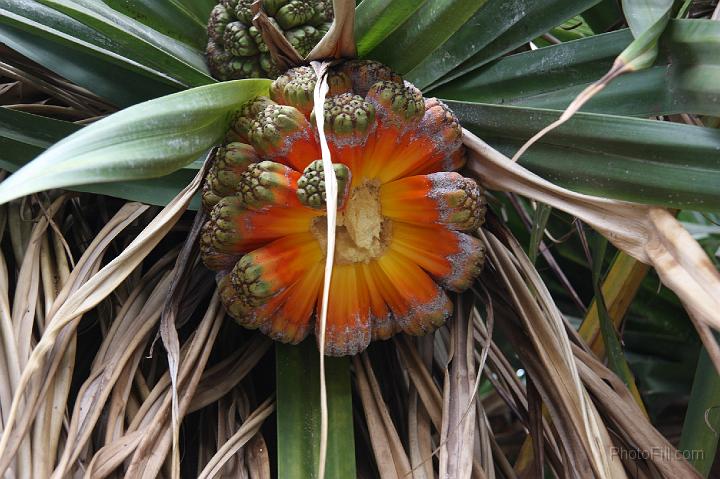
(74,305)
(419,423)
(421,379)
(619,407)
(246,432)
(390,457)
(339,41)
(649,234)
(94,393)
(458,421)
(168,333)
(150,455)
(27,292)
(548,357)
(282,52)
(55,349)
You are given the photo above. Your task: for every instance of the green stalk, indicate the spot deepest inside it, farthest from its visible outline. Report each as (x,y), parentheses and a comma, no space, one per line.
(540,219)
(699,441)
(615,356)
(298,413)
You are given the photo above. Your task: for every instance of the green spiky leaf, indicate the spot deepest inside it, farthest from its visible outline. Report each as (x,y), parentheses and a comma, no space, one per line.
(147,140)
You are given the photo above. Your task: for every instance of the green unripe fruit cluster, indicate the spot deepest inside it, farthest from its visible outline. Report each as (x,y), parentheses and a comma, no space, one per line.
(236,49)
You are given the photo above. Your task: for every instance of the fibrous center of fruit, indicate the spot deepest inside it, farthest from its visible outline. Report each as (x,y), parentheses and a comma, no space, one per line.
(362,233)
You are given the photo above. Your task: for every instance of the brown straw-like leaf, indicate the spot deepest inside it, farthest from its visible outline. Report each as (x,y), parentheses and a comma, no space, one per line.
(339,41)
(617,404)
(121,347)
(458,422)
(243,435)
(110,457)
(225,375)
(419,423)
(548,349)
(215,382)
(19,228)
(649,234)
(331,205)
(419,373)
(28,286)
(34,293)
(168,332)
(390,457)
(50,358)
(148,458)
(71,306)
(153,417)
(54,271)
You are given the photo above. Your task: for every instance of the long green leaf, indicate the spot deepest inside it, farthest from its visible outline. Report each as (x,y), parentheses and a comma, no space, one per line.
(699,439)
(494,29)
(376,19)
(642,14)
(680,82)
(138,41)
(425,30)
(613,349)
(540,219)
(694,49)
(197,9)
(106,74)
(190,55)
(154,191)
(172,19)
(99,30)
(632,159)
(144,141)
(298,413)
(46,22)
(24,136)
(573,29)
(647,20)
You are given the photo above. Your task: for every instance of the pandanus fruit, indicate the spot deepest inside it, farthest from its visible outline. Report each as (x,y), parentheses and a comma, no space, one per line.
(405,216)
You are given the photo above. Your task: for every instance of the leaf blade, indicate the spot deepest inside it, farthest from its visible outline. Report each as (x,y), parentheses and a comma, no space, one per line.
(137,41)
(423,31)
(552,77)
(24,136)
(375,20)
(698,441)
(642,14)
(147,140)
(109,75)
(632,159)
(164,17)
(494,29)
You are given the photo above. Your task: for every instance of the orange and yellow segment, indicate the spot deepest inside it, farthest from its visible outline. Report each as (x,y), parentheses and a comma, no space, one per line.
(405,218)
(444,198)
(452,258)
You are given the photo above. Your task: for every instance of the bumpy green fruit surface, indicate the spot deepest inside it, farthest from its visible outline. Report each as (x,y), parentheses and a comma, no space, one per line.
(236,49)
